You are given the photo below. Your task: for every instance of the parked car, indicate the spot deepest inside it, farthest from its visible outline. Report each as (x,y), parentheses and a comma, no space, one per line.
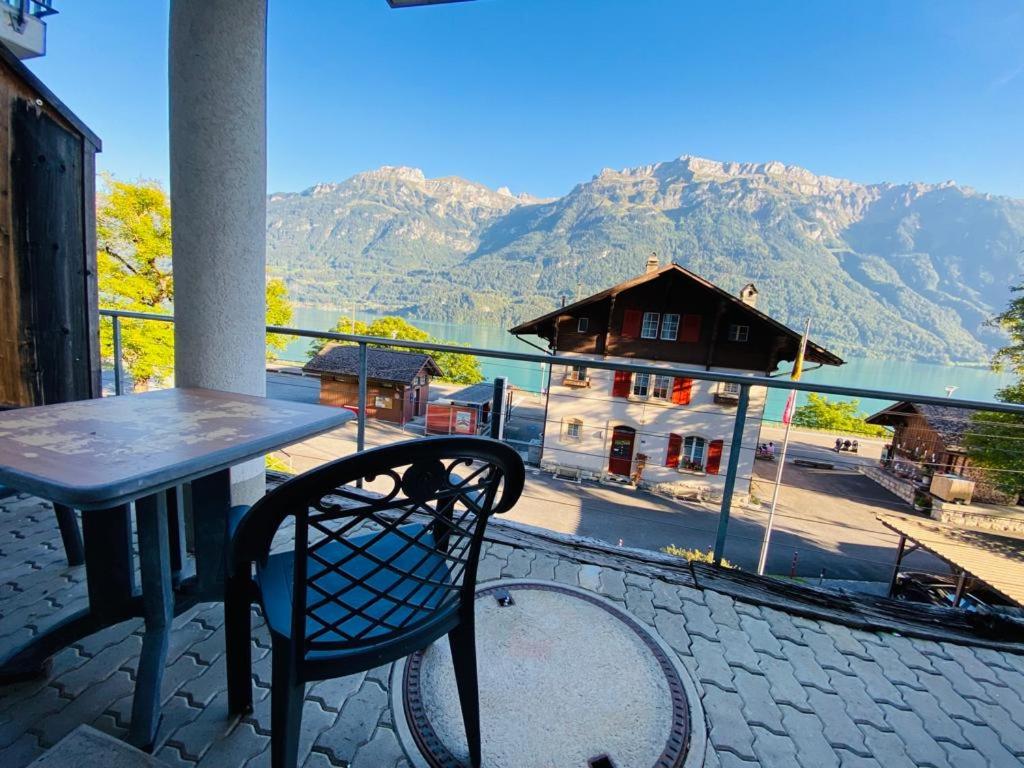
(933,589)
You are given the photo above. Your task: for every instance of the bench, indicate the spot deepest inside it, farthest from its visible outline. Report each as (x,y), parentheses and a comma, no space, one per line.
(86,746)
(810,464)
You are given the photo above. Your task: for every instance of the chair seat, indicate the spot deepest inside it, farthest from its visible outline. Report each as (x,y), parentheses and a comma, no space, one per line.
(389,584)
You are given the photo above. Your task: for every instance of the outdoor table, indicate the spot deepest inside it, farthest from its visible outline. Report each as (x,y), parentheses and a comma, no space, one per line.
(102,455)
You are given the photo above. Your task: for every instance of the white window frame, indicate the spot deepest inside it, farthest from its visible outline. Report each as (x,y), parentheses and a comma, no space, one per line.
(738,332)
(646,330)
(574,429)
(670,326)
(730,388)
(645,386)
(582,324)
(687,456)
(664,383)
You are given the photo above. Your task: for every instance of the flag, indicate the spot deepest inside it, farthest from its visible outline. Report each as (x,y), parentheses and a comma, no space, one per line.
(798,364)
(787,413)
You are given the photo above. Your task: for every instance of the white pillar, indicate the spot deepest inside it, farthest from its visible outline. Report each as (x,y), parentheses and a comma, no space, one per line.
(218,152)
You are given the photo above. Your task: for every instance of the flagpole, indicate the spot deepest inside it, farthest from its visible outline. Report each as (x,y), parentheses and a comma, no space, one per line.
(790,407)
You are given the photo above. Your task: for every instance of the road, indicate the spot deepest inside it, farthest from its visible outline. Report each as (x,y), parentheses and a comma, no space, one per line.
(824,522)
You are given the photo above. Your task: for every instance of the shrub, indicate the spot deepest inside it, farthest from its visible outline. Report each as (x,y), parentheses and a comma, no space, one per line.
(695,554)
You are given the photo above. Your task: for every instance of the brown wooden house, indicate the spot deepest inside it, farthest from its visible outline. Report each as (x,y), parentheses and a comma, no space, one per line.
(49,338)
(930,435)
(397,385)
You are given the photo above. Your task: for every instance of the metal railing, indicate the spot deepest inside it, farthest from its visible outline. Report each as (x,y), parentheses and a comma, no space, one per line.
(738,411)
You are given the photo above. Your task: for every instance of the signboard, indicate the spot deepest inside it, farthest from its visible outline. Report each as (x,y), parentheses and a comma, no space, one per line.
(462,423)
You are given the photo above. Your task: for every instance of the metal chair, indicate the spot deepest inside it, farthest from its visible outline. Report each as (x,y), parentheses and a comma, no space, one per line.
(372,577)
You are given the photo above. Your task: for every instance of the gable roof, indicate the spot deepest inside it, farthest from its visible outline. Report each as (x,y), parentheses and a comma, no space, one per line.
(381,364)
(949,422)
(815,352)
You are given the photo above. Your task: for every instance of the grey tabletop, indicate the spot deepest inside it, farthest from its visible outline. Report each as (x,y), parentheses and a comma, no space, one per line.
(99,453)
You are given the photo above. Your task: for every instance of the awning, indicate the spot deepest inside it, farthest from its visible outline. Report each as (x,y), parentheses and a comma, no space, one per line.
(995,558)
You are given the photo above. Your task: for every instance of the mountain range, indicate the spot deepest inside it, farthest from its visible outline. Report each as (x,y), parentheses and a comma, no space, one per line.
(902,271)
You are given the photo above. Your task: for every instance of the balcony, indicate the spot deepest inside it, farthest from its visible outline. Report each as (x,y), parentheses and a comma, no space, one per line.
(770,671)
(22,28)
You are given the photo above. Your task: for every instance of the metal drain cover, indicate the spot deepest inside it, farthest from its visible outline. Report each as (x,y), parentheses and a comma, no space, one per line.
(564,676)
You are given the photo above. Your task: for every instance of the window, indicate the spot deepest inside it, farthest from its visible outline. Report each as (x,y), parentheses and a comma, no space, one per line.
(649,330)
(583,325)
(730,388)
(693,453)
(662,387)
(578,372)
(670,328)
(641,385)
(574,429)
(739,332)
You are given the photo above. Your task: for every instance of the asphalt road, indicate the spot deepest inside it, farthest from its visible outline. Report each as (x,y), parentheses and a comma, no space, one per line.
(824,524)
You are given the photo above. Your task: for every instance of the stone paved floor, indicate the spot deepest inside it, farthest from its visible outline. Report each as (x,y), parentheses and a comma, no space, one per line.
(777,690)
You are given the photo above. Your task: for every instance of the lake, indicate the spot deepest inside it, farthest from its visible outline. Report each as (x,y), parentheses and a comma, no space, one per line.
(894,375)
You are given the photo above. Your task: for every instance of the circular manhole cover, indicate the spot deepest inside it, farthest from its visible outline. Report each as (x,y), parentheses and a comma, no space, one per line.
(565,678)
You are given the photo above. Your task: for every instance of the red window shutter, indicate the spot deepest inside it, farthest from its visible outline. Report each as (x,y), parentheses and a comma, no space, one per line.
(631,320)
(689,328)
(714,457)
(675,445)
(623,382)
(682,389)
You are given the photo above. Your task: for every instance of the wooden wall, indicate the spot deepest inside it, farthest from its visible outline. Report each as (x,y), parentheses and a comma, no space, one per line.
(49,347)
(344,391)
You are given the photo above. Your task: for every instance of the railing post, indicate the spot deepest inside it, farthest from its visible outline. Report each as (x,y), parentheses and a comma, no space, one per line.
(730,475)
(118,362)
(361,420)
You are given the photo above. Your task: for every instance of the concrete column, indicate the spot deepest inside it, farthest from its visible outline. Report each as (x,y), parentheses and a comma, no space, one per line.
(218,152)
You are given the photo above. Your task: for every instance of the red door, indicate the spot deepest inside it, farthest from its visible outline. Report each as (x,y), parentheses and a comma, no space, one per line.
(620,457)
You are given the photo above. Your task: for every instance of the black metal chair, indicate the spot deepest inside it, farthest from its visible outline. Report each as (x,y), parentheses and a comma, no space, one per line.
(372,577)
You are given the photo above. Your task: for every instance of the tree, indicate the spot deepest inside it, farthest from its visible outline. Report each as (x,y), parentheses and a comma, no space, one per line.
(835,416)
(456,368)
(994,441)
(133,234)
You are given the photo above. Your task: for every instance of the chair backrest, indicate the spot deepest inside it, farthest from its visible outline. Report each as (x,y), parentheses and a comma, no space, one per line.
(387,540)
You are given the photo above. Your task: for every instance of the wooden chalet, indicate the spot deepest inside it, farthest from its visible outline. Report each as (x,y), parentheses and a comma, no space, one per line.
(927,434)
(673,315)
(397,383)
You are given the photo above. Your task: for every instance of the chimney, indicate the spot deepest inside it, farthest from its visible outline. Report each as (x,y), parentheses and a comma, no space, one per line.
(652,263)
(748,294)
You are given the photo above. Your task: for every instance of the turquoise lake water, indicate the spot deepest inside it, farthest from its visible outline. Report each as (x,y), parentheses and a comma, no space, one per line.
(891,375)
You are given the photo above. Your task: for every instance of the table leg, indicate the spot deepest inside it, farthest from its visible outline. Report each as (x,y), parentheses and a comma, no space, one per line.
(176,533)
(158,608)
(211,502)
(70,536)
(110,578)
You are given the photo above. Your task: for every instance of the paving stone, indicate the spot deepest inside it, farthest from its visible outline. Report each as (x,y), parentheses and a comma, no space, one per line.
(315,720)
(665,596)
(672,629)
(332,694)
(355,725)
(83,708)
(315,760)
(825,651)
(893,667)
(382,750)
(100,666)
(917,742)
(241,745)
(722,609)
(737,649)
(853,760)
(96,642)
(174,714)
(972,665)
(887,748)
(1007,718)
(638,602)
(489,569)
(859,705)
(987,742)
(782,626)
(711,664)
(44,703)
(382,674)
(699,621)
(839,728)
(806,667)
(567,571)
(194,738)
(937,722)
(994,659)
(910,653)
(590,577)
(690,594)
(201,690)
(638,580)
(518,564)
(543,567)
(948,697)
(878,685)
(759,634)
(812,750)
(759,708)
(21,751)
(964,684)
(613,584)
(844,640)
(209,649)
(728,730)
(773,750)
(782,683)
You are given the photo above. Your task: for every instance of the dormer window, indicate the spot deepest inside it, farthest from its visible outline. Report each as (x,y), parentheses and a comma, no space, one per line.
(649,330)
(739,332)
(670,327)
(582,325)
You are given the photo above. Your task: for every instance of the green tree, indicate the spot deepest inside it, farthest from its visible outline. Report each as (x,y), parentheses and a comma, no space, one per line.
(456,368)
(133,234)
(994,440)
(835,416)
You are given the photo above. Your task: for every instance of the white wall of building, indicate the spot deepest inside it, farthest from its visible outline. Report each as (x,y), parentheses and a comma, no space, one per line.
(598,412)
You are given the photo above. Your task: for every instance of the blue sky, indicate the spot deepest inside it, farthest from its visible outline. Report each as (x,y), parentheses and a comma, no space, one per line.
(539,95)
